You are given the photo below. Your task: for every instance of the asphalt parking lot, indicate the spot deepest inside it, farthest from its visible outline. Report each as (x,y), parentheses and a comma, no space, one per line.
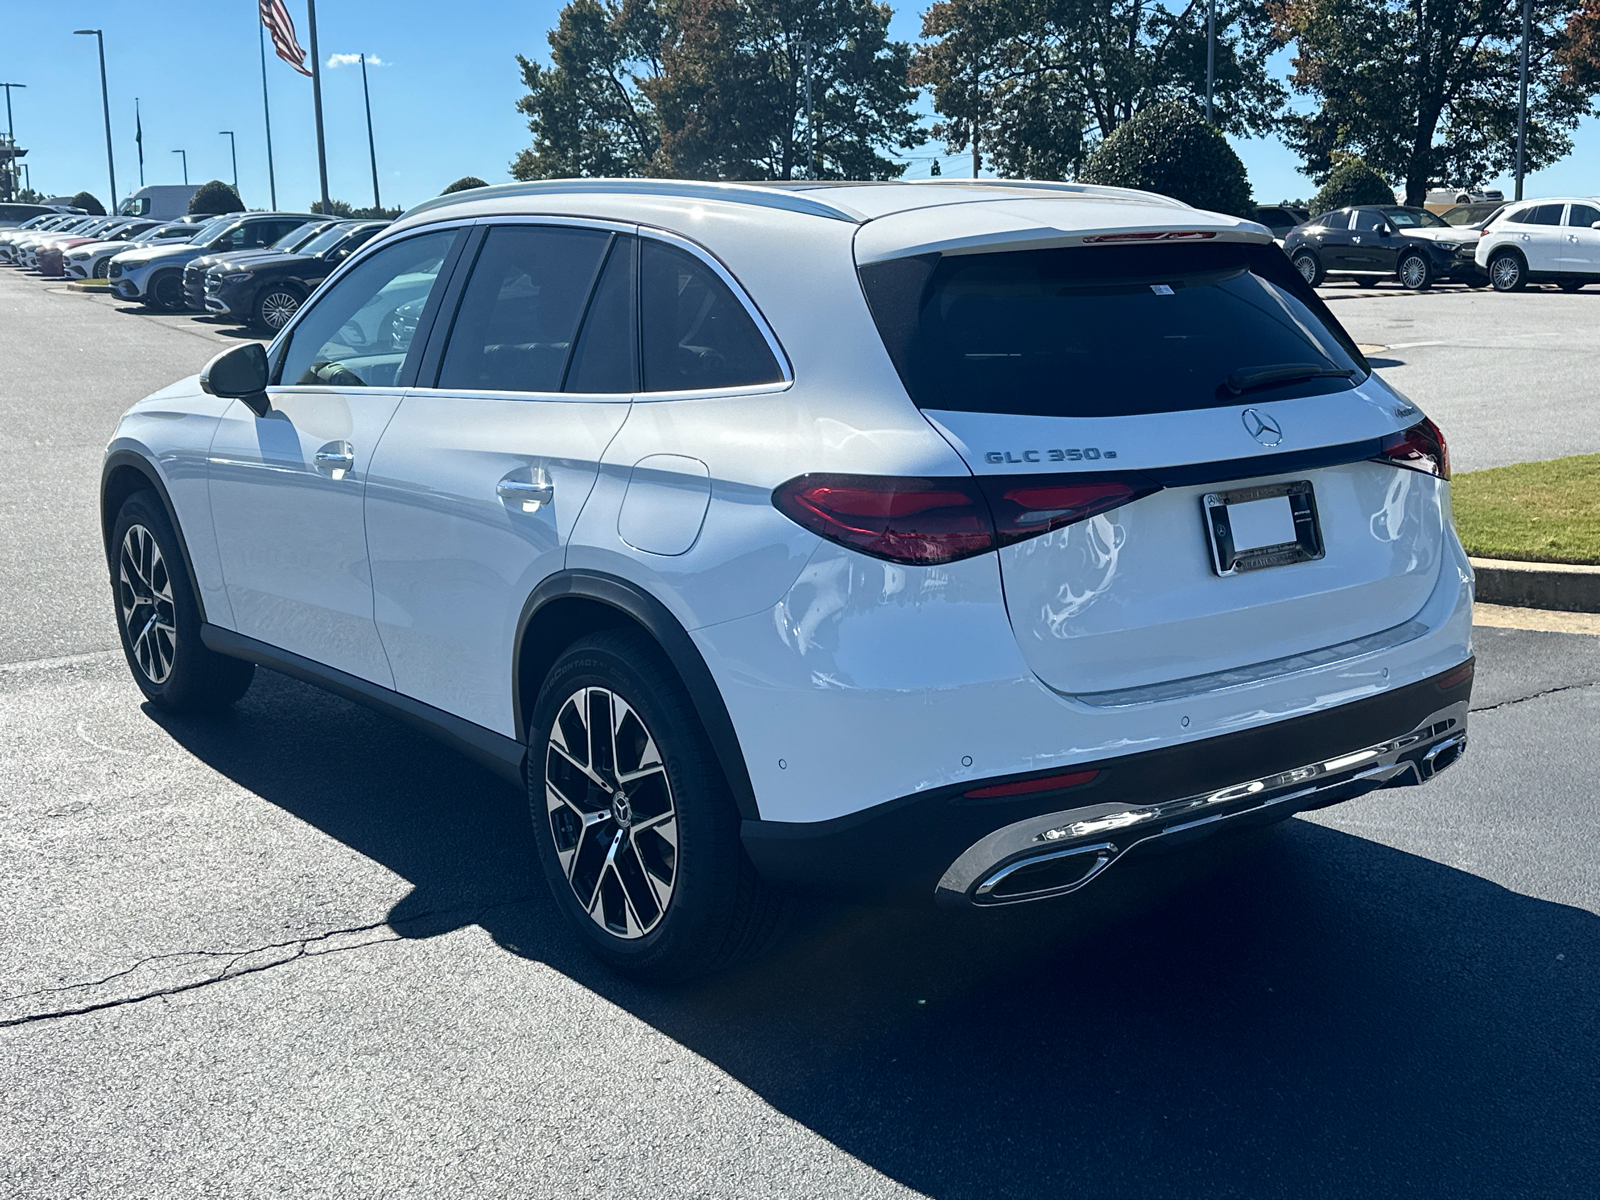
(299,951)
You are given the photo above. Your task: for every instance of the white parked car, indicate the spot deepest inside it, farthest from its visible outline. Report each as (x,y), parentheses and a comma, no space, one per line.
(92,260)
(957,539)
(1543,241)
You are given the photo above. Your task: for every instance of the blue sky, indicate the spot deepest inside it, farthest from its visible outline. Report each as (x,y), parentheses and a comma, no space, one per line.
(442,104)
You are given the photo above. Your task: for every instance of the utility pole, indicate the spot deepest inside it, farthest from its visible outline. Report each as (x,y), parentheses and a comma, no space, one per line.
(316,99)
(372,146)
(266,111)
(138,138)
(1211,53)
(811,115)
(233,149)
(105,100)
(1522,97)
(11,136)
(185,154)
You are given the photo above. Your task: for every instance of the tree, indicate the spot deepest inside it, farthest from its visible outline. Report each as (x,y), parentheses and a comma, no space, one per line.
(1426,90)
(375,214)
(716,89)
(215,197)
(89,204)
(1039,83)
(1169,148)
(336,208)
(1580,53)
(465,184)
(1351,182)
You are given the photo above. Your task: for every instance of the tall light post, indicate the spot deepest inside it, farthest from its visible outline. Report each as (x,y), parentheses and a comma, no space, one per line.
(105,100)
(233,149)
(1211,53)
(1522,96)
(11,136)
(185,154)
(316,104)
(372,146)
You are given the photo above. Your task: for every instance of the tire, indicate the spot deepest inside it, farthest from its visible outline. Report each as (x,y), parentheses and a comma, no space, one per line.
(158,617)
(102,269)
(1571,285)
(275,307)
(166,292)
(1415,271)
(1508,271)
(653,879)
(1367,281)
(1310,268)
(1476,281)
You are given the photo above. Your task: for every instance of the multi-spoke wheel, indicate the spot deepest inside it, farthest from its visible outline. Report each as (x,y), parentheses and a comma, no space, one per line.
(1507,271)
(638,834)
(1310,267)
(159,618)
(144,598)
(611,814)
(1416,272)
(276,307)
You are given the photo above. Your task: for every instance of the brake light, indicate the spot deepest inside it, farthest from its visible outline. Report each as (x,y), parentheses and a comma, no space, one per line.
(919,522)
(1420,448)
(924,522)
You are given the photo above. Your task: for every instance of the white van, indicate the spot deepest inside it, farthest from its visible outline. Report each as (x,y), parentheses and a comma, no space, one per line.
(161,202)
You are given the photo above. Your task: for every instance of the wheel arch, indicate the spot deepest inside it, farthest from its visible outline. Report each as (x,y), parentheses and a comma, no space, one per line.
(574,603)
(124,473)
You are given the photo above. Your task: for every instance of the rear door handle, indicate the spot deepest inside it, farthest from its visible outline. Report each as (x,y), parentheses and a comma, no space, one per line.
(336,458)
(529,494)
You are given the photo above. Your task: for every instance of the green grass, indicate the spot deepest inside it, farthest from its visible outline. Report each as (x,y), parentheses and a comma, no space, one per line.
(1537,512)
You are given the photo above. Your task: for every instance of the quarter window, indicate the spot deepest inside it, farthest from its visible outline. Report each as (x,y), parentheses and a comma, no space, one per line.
(360,332)
(695,332)
(519,314)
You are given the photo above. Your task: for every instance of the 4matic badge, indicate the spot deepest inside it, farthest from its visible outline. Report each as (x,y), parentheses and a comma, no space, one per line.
(1079,454)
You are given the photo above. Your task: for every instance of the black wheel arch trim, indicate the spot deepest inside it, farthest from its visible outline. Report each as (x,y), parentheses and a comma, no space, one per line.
(124,459)
(498,753)
(633,602)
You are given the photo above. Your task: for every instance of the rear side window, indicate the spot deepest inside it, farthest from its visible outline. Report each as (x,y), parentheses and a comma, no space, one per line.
(1583,215)
(513,331)
(1334,220)
(606,358)
(1540,214)
(695,333)
(1107,331)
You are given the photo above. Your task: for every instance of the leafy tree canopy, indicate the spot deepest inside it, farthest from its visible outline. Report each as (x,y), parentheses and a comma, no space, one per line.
(716,89)
(336,208)
(215,197)
(465,184)
(1169,148)
(1038,83)
(87,202)
(1351,182)
(1426,90)
(1580,52)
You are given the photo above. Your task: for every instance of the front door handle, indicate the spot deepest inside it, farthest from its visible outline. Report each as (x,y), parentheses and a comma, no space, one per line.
(336,459)
(528,494)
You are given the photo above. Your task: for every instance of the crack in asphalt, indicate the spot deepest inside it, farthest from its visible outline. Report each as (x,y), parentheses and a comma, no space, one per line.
(1566,687)
(310,946)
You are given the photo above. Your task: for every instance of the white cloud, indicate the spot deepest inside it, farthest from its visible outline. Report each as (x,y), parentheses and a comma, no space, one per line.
(352,60)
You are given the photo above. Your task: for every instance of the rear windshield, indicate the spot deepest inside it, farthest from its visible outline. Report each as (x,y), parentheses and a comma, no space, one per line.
(1107,331)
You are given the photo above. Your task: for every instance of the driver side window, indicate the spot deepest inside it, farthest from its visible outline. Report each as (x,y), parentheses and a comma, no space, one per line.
(360,332)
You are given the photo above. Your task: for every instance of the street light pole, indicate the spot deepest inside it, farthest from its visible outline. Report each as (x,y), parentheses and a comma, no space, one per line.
(233,149)
(1522,96)
(1211,53)
(316,101)
(372,146)
(105,100)
(266,111)
(11,136)
(185,154)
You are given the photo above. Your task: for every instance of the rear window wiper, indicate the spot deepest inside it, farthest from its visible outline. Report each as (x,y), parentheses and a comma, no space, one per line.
(1248,379)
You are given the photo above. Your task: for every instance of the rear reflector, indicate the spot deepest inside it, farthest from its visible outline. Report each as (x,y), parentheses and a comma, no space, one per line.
(1456,678)
(1025,787)
(924,522)
(1420,448)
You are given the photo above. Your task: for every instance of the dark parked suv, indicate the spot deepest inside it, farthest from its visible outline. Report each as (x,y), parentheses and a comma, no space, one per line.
(266,290)
(194,275)
(1377,242)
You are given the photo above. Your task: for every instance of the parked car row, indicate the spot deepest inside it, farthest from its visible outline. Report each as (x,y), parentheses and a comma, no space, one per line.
(256,268)
(1506,247)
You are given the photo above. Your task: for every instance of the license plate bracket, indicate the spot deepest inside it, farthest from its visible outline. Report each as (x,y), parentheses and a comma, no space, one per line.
(1297,534)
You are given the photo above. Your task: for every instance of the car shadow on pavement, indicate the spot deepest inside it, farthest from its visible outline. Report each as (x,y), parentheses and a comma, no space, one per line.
(1292,1012)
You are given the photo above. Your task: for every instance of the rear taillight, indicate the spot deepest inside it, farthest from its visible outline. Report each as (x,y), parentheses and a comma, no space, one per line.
(924,522)
(1420,448)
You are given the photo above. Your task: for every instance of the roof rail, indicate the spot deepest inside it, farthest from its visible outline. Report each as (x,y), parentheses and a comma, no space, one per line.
(1053,185)
(732,193)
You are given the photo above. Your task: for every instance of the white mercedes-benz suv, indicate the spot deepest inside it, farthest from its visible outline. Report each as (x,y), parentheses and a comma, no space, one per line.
(949,540)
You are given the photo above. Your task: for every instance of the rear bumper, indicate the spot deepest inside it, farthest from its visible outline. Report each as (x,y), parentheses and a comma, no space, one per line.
(969,852)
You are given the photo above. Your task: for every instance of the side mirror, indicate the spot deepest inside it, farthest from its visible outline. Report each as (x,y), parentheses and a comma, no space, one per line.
(1596,225)
(1385,230)
(239,373)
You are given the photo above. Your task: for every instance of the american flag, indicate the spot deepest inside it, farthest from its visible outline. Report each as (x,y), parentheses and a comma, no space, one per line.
(276,18)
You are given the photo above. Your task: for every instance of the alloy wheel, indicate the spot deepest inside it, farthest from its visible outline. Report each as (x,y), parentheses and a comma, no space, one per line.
(1307,267)
(277,308)
(102,268)
(1504,273)
(169,291)
(611,812)
(1414,272)
(144,598)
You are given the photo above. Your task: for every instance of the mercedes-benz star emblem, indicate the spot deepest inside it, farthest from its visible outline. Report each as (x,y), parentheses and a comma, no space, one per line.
(1261,427)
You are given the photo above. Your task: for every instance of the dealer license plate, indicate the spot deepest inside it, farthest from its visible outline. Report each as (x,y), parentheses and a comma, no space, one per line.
(1252,528)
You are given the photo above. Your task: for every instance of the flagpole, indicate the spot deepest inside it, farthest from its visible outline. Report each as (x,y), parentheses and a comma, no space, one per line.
(372,147)
(266,111)
(316,97)
(138,130)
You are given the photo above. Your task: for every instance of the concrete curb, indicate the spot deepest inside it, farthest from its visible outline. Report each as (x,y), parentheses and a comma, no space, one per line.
(1560,586)
(88,285)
